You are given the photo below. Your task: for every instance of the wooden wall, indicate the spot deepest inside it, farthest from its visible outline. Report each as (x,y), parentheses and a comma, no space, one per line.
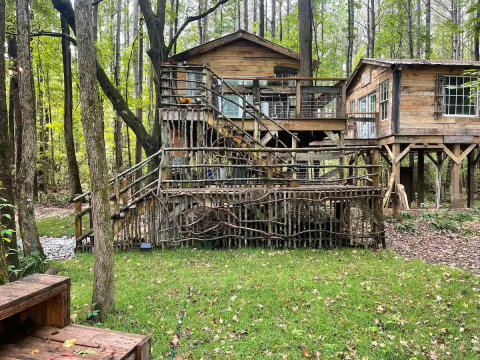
(243,58)
(368,79)
(417,105)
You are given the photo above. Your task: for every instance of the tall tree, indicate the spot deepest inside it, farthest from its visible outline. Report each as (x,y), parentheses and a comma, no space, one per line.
(26,170)
(428,35)
(351,35)
(261,17)
(7,214)
(419,27)
(372,28)
(138,79)
(456,9)
(73,173)
(104,281)
(305,37)
(158,52)
(116,78)
(476,42)
(273,19)
(410,29)
(245,15)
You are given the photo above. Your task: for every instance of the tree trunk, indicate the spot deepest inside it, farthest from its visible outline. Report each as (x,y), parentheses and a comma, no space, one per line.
(280,22)
(116,76)
(261,16)
(26,171)
(368,28)
(199,22)
(410,31)
(255,11)
(418,31)
(351,14)
(205,22)
(305,37)
(245,15)
(73,173)
(372,29)
(273,20)
(428,35)
(138,85)
(455,35)
(7,213)
(104,281)
(476,51)
(176,25)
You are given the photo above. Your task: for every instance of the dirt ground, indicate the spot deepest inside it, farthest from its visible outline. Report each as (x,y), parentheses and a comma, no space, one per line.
(61,209)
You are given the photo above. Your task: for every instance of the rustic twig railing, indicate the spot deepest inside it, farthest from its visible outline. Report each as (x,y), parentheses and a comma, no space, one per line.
(216,180)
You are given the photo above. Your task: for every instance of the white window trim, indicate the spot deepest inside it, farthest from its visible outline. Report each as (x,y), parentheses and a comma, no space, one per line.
(459,115)
(380,100)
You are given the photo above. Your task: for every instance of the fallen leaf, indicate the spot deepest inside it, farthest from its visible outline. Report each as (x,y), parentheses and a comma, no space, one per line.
(35,351)
(73,317)
(306,353)
(69,343)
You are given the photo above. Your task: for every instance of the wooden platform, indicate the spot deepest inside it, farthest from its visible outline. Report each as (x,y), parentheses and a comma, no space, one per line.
(34,324)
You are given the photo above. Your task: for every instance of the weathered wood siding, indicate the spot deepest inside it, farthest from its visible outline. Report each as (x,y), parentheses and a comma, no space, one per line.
(367,81)
(417,105)
(243,58)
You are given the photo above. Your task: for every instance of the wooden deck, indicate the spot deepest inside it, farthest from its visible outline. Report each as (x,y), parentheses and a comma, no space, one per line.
(34,324)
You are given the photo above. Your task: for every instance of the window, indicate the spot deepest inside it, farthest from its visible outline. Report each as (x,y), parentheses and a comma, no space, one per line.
(367,105)
(384,98)
(459,99)
(193,87)
(351,106)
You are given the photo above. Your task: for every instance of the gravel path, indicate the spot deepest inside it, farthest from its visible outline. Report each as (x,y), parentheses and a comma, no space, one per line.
(55,248)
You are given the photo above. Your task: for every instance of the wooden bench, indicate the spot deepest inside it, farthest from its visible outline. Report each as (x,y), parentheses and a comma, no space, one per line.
(34,324)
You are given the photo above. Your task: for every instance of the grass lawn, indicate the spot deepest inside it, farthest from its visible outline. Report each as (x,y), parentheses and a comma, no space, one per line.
(56,226)
(299,304)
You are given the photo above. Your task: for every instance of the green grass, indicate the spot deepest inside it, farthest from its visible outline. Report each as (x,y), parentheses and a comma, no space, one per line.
(56,226)
(251,303)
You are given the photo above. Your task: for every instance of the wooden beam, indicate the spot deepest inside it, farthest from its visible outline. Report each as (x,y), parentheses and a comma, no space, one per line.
(397,214)
(389,152)
(396,91)
(334,139)
(391,181)
(314,124)
(451,154)
(386,158)
(466,152)
(455,184)
(439,168)
(432,159)
(420,178)
(402,155)
(471,180)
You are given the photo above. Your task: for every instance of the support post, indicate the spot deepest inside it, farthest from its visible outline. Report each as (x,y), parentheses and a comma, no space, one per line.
(455,184)
(377,208)
(439,166)
(294,156)
(471,179)
(397,214)
(78,220)
(298,95)
(421,178)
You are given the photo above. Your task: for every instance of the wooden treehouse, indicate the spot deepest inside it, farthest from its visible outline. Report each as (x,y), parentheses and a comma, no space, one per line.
(35,324)
(410,106)
(237,167)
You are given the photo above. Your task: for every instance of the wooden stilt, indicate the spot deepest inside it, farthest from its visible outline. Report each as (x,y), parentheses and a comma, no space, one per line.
(439,166)
(420,178)
(455,184)
(397,214)
(471,179)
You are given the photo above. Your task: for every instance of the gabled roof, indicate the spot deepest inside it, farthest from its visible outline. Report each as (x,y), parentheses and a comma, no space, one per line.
(240,34)
(391,63)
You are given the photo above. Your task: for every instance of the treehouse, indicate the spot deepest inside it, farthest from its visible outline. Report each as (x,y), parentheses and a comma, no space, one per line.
(266,74)
(428,107)
(236,167)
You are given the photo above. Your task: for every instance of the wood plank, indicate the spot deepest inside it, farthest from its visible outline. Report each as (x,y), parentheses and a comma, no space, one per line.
(420,178)
(455,184)
(334,139)
(455,139)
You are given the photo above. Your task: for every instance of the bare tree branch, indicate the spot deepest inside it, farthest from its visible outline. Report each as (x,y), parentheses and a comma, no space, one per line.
(194,18)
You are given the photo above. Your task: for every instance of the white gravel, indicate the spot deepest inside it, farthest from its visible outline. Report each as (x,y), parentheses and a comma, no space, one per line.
(55,248)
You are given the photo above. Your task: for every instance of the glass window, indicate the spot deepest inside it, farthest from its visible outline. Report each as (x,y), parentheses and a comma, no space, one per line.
(351,106)
(459,97)
(384,99)
(193,85)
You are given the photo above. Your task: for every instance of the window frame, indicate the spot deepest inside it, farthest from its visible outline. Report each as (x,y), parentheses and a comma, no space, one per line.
(352,101)
(382,101)
(444,98)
